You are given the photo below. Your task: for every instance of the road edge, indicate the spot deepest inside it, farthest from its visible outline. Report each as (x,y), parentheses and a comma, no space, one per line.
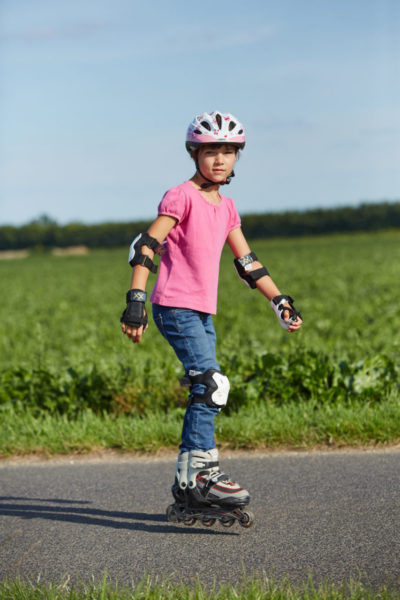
(168,454)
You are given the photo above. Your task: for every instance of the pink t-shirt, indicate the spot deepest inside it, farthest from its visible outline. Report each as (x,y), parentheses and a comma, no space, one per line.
(189,269)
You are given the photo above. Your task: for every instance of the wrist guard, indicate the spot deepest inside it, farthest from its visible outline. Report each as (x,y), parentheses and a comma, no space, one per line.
(277,304)
(135,251)
(134,314)
(243,266)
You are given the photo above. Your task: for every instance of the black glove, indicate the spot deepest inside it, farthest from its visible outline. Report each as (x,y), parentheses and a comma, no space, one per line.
(134,314)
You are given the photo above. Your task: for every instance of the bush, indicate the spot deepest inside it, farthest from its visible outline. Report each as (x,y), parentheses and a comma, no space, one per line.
(277,378)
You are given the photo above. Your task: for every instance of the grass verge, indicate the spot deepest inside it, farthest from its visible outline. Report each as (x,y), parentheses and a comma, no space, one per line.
(146,589)
(302,425)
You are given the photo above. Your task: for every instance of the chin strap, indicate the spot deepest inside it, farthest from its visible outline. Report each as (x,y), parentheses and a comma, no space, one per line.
(210,181)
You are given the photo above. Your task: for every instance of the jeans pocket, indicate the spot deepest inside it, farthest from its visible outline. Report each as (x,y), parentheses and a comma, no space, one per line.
(160,325)
(182,319)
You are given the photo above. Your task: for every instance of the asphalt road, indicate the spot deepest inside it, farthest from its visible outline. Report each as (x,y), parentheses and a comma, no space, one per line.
(335,515)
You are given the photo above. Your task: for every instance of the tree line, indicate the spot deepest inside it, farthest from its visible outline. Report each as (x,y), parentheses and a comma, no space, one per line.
(45,233)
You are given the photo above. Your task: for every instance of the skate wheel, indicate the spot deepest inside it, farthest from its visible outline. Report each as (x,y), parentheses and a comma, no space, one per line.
(247,519)
(189,521)
(207,522)
(227,521)
(172,515)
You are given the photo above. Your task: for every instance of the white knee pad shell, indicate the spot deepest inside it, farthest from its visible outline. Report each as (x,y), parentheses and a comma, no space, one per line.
(217,388)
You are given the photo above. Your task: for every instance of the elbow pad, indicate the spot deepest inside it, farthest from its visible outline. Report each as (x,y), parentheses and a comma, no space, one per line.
(243,266)
(135,253)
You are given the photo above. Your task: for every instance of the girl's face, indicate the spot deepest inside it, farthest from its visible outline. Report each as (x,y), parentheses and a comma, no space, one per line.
(217,162)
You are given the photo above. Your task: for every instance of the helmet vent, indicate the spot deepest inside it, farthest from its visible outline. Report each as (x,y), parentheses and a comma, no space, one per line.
(206,125)
(219,120)
(232,125)
(197,131)
(240,131)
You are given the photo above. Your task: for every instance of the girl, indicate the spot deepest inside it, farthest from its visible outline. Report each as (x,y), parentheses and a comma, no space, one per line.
(194,222)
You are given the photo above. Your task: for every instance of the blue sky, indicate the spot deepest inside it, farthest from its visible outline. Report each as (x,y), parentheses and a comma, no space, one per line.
(96,96)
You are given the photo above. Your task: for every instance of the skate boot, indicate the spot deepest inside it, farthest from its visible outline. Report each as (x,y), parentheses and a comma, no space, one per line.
(208,494)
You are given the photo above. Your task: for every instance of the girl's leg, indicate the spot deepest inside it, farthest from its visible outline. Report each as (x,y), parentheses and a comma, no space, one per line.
(192,336)
(198,479)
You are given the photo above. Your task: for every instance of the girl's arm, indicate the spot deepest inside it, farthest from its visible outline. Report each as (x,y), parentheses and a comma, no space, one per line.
(239,246)
(159,229)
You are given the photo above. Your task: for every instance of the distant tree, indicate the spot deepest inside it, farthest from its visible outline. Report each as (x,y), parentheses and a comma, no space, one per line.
(45,232)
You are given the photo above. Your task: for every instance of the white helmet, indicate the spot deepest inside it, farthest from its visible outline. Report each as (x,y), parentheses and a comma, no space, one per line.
(215,128)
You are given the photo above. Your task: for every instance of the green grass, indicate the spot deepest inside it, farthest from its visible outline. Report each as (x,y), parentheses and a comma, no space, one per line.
(65,311)
(294,425)
(69,380)
(254,588)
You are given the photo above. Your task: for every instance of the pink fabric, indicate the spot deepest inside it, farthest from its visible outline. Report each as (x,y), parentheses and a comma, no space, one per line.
(189,269)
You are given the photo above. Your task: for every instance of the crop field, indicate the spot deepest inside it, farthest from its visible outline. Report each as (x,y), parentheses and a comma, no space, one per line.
(62,351)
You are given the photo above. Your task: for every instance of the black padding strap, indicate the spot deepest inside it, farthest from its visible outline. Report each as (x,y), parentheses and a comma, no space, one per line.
(243,261)
(254,276)
(144,239)
(144,261)
(151,242)
(136,296)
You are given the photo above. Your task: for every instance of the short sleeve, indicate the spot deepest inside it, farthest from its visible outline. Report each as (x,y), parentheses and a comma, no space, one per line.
(173,204)
(234,218)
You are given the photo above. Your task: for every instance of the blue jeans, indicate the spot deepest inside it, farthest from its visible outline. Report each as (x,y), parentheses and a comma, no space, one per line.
(191,334)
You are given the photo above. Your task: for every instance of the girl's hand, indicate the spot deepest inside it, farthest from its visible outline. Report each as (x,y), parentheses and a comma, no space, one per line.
(135,333)
(134,318)
(295,325)
(289,318)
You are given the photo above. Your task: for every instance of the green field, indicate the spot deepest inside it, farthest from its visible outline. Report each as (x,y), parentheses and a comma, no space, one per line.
(64,359)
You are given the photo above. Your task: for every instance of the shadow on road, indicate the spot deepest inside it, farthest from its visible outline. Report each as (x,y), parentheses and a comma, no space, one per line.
(27,508)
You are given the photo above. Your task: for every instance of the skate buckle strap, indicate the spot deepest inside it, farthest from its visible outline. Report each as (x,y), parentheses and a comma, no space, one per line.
(219,477)
(198,463)
(196,468)
(213,481)
(202,462)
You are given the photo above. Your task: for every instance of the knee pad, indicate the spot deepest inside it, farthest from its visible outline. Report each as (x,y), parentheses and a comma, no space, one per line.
(217,388)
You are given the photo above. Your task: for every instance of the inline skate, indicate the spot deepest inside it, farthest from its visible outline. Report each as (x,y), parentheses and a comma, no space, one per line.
(202,493)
